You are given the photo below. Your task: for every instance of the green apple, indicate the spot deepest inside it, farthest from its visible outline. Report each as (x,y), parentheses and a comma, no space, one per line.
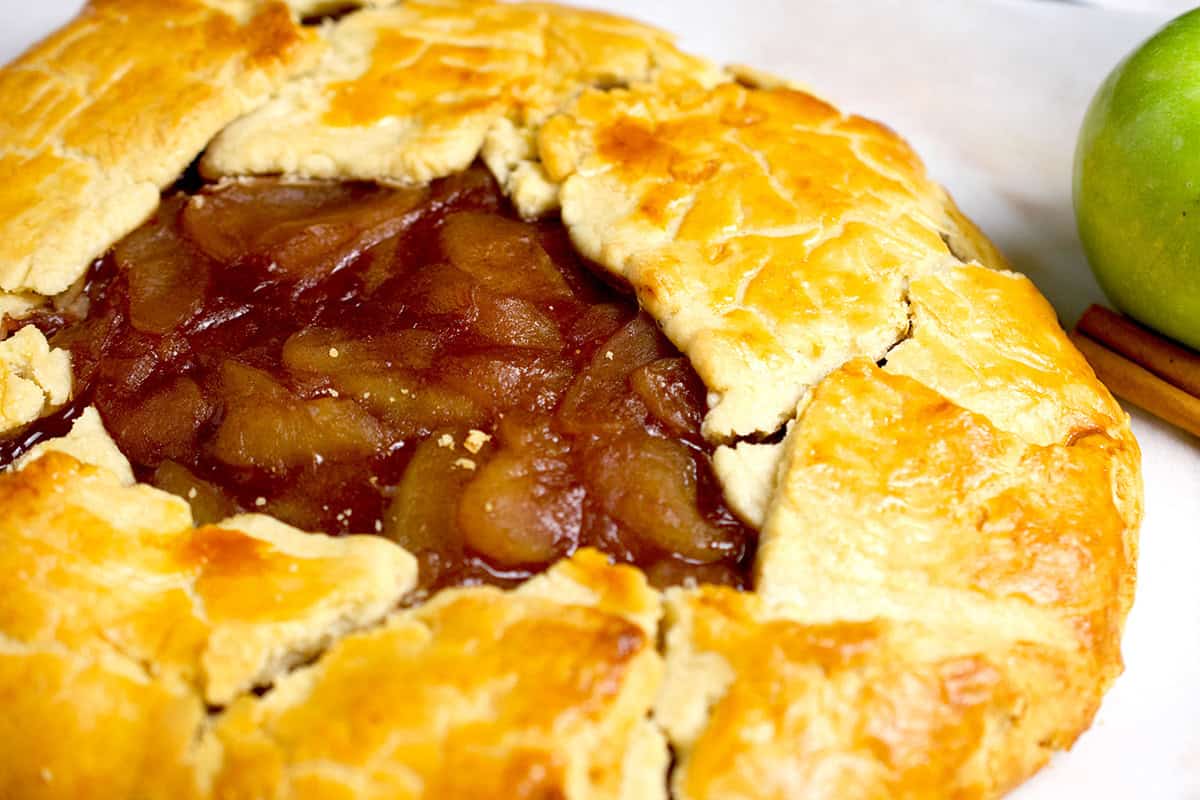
(1137,182)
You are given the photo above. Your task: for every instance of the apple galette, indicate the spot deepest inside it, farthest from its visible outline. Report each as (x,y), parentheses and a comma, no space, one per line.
(465,399)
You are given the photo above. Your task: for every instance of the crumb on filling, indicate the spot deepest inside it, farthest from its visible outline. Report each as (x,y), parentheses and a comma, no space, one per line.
(416,363)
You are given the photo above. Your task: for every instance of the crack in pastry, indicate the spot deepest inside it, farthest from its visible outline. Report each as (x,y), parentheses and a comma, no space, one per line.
(316,13)
(937,649)
(771,236)
(479,694)
(988,341)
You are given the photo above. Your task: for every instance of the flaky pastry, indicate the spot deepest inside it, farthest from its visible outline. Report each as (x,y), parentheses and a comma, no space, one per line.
(947,499)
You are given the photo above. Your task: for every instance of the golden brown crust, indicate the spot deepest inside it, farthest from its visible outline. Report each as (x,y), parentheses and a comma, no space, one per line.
(119,621)
(86,724)
(1025,551)
(478,693)
(110,109)
(467,68)
(770,235)
(871,709)
(112,599)
(91,566)
(989,342)
(951,517)
(115,612)
(948,542)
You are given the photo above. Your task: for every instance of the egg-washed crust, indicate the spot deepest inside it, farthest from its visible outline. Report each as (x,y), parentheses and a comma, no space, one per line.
(93,565)
(948,526)
(120,623)
(106,112)
(880,708)
(770,235)
(476,694)
(950,516)
(939,597)
(989,342)
(411,92)
(895,506)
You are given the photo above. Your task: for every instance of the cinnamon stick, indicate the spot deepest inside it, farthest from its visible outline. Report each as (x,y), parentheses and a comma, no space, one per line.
(1172,362)
(1140,386)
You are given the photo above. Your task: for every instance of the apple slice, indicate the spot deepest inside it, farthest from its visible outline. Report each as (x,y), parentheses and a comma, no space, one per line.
(501,379)
(209,504)
(162,424)
(297,232)
(523,507)
(422,516)
(648,484)
(328,350)
(600,399)
(513,322)
(268,428)
(673,393)
(410,406)
(167,284)
(504,255)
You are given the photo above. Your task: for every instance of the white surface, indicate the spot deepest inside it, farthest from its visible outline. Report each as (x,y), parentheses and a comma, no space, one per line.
(1147,6)
(991,93)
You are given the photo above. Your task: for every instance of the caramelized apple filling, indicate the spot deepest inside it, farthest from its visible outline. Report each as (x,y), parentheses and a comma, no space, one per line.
(417,363)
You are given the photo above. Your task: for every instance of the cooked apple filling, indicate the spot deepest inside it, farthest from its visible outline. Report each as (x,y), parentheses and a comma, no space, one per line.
(417,363)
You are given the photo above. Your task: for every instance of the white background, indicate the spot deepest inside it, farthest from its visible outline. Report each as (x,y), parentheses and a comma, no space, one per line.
(991,93)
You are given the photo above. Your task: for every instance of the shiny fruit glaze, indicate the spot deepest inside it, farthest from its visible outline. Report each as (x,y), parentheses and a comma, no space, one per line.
(416,363)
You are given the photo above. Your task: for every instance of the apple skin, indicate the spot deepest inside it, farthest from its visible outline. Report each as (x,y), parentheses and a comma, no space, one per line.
(1137,182)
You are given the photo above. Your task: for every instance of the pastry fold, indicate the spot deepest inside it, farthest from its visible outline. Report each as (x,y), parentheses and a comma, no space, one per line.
(105,113)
